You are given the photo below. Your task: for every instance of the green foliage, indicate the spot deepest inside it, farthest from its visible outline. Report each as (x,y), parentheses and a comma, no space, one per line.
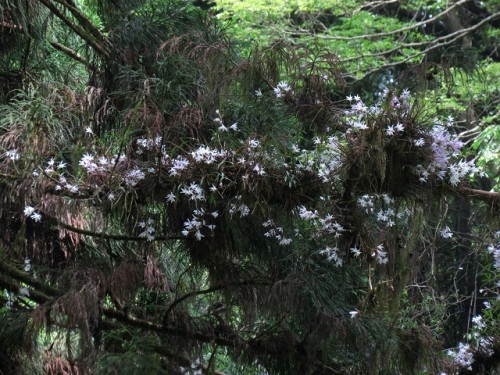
(172,200)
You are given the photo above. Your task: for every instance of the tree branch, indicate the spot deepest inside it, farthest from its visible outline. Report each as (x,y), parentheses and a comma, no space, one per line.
(210,290)
(434,44)
(117,237)
(388,33)
(73,54)
(490,197)
(79,31)
(86,23)
(207,334)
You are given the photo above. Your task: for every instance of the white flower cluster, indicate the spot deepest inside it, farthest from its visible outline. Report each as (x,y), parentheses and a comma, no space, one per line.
(329,159)
(281,89)
(193,192)
(196,368)
(94,164)
(64,184)
(30,212)
(394,129)
(242,208)
(322,226)
(494,250)
(366,202)
(207,155)
(222,127)
(51,165)
(386,213)
(198,222)
(147,144)
(445,147)
(330,226)
(462,357)
(332,254)
(177,165)
(12,155)
(276,232)
(326,225)
(133,177)
(148,231)
(380,255)
(358,117)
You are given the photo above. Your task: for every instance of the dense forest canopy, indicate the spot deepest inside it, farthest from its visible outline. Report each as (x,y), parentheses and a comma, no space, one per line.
(243,187)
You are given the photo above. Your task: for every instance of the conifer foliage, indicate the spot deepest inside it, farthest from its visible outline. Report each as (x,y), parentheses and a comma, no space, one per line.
(170,206)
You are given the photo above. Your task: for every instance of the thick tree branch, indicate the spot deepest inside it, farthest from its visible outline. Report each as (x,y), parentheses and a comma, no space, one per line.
(86,23)
(490,197)
(24,277)
(117,237)
(73,54)
(102,51)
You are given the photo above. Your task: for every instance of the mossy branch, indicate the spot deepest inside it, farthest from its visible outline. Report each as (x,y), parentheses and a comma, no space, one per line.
(82,33)
(73,54)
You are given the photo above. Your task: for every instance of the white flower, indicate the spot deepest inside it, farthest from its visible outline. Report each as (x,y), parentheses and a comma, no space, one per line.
(86,160)
(234,126)
(268,223)
(285,241)
(253,143)
(478,321)
(88,130)
(36,217)
(419,142)
(446,233)
(27,264)
(259,170)
(390,130)
(281,89)
(355,251)
(13,155)
(353,313)
(72,188)
(132,177)
(305,214)
(258,93)
(381,255)
(171,197)
(244,210)
(28,210)
(198,235)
